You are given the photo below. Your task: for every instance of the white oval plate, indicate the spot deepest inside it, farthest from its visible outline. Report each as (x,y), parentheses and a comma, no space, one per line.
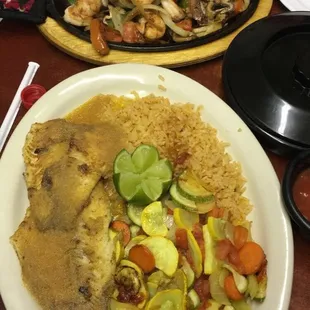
(271,227)
(297,5)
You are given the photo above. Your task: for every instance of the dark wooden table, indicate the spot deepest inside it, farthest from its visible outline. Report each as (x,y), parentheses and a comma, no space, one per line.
(21,42)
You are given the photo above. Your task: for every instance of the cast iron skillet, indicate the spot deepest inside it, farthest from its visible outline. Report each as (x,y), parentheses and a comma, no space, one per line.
(56,10)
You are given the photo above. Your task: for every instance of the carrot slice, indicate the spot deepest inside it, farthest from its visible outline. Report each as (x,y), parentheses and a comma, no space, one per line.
(143,257)
(181,238)
(123,228)
(231,288)
(252,257)
(240,236)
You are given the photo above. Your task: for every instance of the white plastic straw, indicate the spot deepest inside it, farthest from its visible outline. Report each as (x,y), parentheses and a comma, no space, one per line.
(15,105)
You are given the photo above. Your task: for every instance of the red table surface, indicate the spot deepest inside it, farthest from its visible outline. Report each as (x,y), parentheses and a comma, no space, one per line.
(21,42)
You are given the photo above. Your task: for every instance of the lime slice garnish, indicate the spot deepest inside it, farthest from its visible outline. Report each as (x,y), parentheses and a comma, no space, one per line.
(152,188)
(128,184)
(144,157)
(123,163)
(142,177)
(161,170)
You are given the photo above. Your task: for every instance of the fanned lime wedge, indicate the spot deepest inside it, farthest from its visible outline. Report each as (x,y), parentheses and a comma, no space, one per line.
(153,188)
(159,170)
(123,163)
(128,184)
(142,177)
(144,157)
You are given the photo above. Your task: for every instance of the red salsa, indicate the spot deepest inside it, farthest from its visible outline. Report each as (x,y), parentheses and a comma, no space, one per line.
(127,296)
(301,192)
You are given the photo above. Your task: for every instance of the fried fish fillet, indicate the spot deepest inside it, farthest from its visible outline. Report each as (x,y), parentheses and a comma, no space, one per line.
(63,244)
(69,269)
(47,143)
(64,162)
(82,12)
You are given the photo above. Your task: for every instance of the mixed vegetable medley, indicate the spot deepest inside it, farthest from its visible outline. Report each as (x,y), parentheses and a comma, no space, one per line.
(178,250)
(160,21)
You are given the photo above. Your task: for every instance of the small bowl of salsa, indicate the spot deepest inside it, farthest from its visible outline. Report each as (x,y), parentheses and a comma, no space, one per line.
(296,191)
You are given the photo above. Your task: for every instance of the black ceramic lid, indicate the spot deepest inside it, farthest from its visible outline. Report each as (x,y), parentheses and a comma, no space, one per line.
(266,72)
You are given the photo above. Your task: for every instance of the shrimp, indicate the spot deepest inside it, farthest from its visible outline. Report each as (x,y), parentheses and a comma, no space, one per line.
(131,33)
(82,12)
(155,27)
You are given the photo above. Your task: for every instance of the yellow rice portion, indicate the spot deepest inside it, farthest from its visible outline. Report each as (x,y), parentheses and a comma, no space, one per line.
(175,129)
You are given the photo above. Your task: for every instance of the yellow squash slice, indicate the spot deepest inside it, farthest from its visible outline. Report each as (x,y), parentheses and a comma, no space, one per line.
(167,300)
(152,220)
(165,253)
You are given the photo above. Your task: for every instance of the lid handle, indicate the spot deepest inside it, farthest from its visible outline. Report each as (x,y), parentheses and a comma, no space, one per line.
(301,70)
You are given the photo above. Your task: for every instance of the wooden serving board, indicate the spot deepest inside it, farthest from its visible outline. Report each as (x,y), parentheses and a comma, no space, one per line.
(83,50)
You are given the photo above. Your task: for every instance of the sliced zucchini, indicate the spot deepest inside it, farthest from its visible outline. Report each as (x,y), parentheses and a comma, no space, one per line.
(134,213)
(195,253)
(216,291)
(190,187)
(152,288)
(252,289)
(216,228)
(159,278)
(262,288)
(240,305)
(210,262)
(134,230)
(168,203)
(195,300)
(181,201)
(188,204)
(205,207)
(190,275)
(178,281)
